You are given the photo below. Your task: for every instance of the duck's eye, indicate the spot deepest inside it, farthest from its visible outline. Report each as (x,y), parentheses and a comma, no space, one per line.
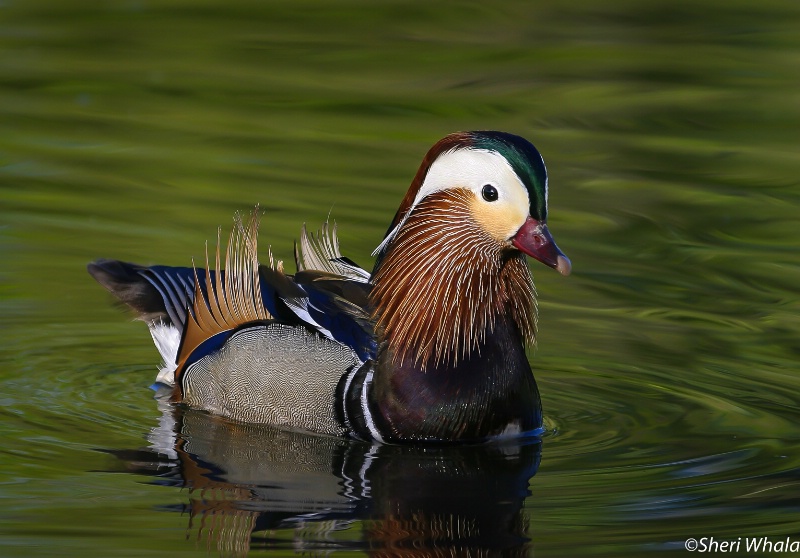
(489,193)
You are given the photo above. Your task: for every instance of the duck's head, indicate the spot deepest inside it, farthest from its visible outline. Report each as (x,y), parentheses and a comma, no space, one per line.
(505,179)
(455,247)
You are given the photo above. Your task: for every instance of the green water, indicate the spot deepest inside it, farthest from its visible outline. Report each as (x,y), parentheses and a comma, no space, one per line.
(668,361)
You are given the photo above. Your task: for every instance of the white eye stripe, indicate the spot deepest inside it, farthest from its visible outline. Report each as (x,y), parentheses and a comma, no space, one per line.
(467,168)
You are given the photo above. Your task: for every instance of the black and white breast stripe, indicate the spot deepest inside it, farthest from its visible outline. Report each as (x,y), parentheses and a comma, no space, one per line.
(354,407)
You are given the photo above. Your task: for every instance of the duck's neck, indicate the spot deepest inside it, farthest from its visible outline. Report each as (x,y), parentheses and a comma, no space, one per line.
(454,311)
(442,284)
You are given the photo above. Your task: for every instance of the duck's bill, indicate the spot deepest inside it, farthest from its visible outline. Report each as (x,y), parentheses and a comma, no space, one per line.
(534,239)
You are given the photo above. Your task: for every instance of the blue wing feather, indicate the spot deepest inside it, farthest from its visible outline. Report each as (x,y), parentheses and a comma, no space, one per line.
(330,311)
(346,326)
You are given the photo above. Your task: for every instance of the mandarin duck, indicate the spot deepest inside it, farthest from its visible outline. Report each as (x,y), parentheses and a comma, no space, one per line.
(429,347)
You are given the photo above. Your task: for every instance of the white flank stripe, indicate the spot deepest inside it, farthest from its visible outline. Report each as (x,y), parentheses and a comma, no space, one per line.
(365,409)
(345,391)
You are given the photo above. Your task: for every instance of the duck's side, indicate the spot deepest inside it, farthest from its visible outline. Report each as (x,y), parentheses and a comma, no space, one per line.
(429,347)
(252,343)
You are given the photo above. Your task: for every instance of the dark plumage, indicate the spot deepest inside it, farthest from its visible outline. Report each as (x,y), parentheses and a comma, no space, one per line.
(428,347)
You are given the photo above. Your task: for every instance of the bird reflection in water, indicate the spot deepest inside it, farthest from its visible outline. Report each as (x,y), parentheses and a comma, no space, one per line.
(253,486)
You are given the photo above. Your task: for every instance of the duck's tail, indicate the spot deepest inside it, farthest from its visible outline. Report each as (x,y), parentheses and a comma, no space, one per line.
(184,306)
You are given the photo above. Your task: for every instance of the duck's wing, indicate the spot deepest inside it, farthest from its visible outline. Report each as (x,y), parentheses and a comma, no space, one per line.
(335,299)
(337,308)
(320,252)
(177,302)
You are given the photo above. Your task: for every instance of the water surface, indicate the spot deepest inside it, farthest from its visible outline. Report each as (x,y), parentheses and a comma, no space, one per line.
(667,361)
